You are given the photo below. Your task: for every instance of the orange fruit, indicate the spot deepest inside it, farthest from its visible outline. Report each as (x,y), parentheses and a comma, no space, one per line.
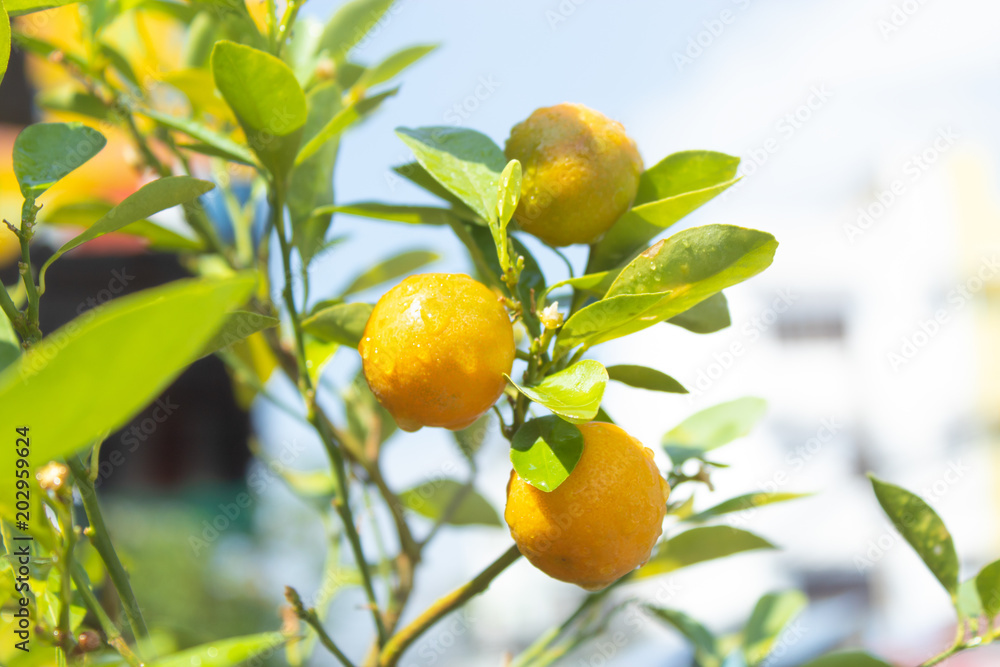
(435,350)
(602,521)
(580,173)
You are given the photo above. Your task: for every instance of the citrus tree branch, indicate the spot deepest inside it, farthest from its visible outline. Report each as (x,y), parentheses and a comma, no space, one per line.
(403,639)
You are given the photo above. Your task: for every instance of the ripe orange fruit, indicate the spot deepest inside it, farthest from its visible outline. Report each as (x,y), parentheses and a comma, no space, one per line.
(602,521)
(435,350)
(580,173)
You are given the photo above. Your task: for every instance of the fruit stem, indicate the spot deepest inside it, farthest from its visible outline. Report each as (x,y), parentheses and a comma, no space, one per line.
(394,650)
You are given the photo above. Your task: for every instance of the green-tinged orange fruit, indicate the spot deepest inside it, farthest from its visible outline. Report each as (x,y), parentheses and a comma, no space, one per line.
(602,521)
(435,350)
(580,173)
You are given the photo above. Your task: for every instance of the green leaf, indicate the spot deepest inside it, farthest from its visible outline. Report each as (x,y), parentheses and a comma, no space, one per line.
(968,604)
(393,65)
(988,587)
(545,450)
(573,393)
(742,503)
(46,152)
(85,213)
(341,121)
(411,215)
(268,102)
(467,163)
(390,269)
(350,24)
(220,145)
(310,185)
(10,346)
(108,363)
(847,659)
(712,427)
(645,378)
(772,613)
(225,653)
(668,191)
(416,174)
(341,323)
(923,529)
(707,317)
(151,198)
(22,7)
(4,39)
(699,545)
(669,278)
(238,325)
(594,283)
(508,194)
(319,354)
(705,646)
(440,497)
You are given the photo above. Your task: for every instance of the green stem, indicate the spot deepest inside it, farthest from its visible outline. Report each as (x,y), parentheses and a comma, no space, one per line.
(65,514)
(114,636)
(403,639)
(32,333)
(340,502)
(99,537)
(310,617)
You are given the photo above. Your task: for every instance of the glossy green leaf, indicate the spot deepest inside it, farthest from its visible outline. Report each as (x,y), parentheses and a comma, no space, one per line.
(393,65)
(365,415)
(151,198)
(350,24)
(411,215)
(340,122)
(545,450)
(46,152)
(10,345)
(455,503)
(108,363)
(319,354)
(594,283)
(22,7)
(340,323)
(707,317)
(573,393)
(668,191)
(743,503)
(390,269)
(237,326)
(273,122)
(988,587)
(642,377)
(706,647)
(310,185)
(923,529)
(4,39)
(770,616)
(713,427)
(221,145)
(86,213)
(225,653)
(467,163)
(669,278)
(847,659)
(508,194)
(416,174)
(698,545)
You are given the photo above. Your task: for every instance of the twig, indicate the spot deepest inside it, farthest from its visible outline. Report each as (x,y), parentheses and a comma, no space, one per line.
(394,650)
(309,616)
